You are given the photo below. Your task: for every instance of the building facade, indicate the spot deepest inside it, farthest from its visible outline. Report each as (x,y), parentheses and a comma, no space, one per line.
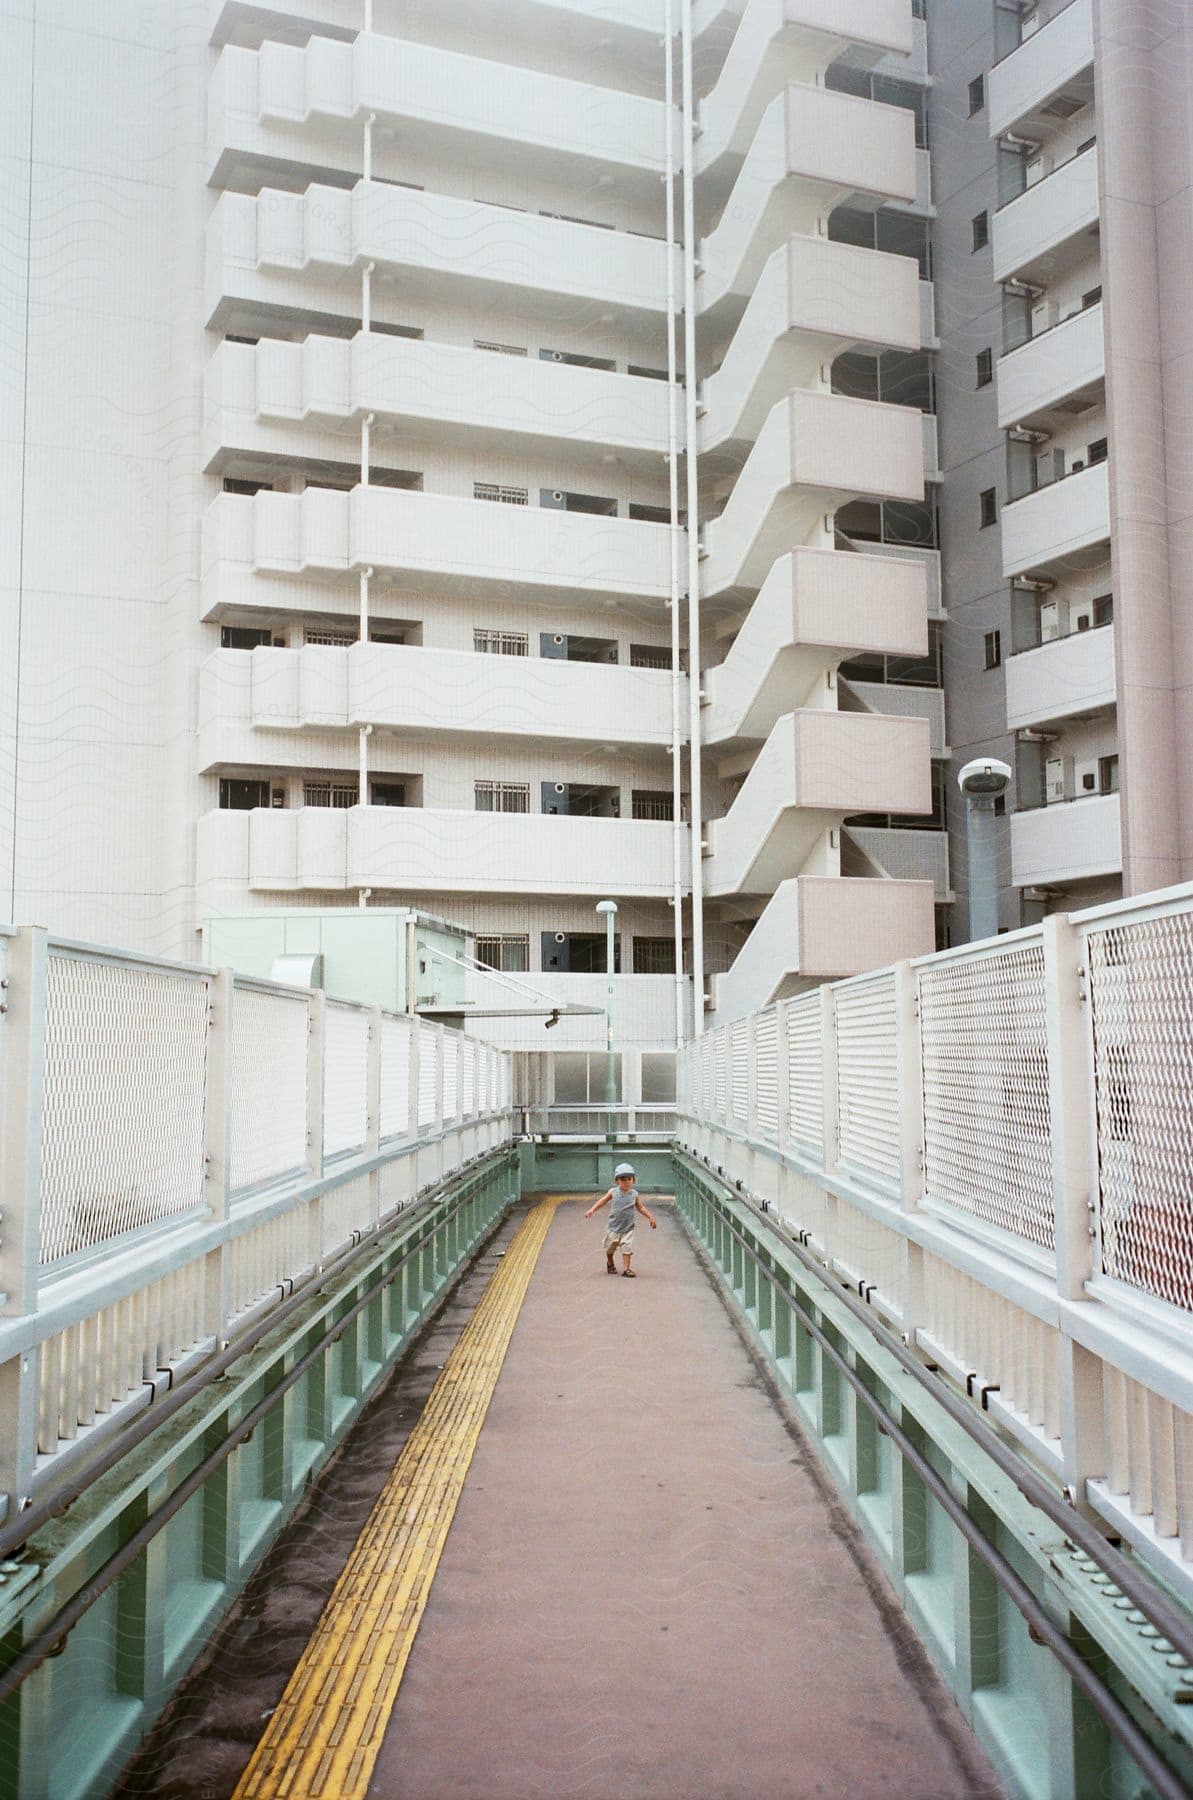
(358,332)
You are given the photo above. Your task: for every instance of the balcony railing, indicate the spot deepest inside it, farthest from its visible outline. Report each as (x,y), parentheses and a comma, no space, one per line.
(992,1146)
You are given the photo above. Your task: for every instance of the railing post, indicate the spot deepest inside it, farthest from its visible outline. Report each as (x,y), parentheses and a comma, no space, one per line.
(217,1147)
(911,1138)
(373,1128)
(1070,1105)
(22,1108)
(316,1043)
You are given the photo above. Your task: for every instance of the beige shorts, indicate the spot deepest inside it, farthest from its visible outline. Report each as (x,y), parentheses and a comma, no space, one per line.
(619,1240)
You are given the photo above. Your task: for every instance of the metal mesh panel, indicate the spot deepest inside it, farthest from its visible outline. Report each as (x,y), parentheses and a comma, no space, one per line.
(708,1084)
(766,1072)
(805,1079)
(718,1083)
(345,1078)
(467,1077)
(451,1075)
(868,1076)
(987,1146)
(125,1076)
(395,1077)
(1141,983)
(739,1068)
(270,1033)
(428,1056)
(505,1082)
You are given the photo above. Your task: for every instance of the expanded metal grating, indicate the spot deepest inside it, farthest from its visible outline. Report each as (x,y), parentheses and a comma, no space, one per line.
(987,1146)
(428,1057)
(269,1085)
(467,1077)
(868,1076)
(125,1073)
(805,1079)
(1141,1004)
(739,1068)
(395,1077)
(718,1083)
(451,1075)
(345,1078)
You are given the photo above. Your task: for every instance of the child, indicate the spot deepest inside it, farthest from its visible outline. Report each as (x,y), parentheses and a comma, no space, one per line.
(620,1232)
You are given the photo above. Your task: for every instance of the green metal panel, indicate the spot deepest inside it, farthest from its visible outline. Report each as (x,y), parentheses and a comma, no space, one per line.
(363,950)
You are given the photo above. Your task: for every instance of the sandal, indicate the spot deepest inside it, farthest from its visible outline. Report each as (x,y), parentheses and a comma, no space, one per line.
(610,1268)
(629,1274)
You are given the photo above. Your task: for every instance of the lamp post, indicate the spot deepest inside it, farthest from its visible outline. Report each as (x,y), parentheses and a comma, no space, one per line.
(609,909)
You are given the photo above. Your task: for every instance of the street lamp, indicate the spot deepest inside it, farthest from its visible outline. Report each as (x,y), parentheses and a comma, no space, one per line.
(609,908)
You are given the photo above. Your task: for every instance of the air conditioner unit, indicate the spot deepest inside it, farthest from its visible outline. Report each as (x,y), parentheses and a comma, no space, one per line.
(1083,619)
(1049,621)
(1043,315)
(277,797)
(1054,780)
(1035,171)
(279,643)
(1050,467)
(1085,776)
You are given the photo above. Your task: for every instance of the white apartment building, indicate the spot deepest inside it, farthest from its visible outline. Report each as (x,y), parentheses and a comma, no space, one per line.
(354,555)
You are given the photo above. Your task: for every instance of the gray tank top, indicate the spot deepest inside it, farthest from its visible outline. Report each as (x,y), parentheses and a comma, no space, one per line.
(621,1209)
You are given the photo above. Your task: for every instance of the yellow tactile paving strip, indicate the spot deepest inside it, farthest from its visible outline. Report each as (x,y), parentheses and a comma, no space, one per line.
(325,1735)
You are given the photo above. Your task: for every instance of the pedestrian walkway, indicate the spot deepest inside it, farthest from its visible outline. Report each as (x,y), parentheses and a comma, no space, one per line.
(645,1590)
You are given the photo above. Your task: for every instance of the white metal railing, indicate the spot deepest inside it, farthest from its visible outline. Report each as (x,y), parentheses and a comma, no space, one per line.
(179,1149)
(994,1145)
(593,1121)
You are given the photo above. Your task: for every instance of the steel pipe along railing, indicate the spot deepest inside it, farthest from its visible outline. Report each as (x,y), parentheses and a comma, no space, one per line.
(993,1147)
(180,1150)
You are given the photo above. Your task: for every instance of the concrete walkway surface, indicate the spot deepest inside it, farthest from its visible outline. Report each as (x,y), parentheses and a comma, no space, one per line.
(647,1591)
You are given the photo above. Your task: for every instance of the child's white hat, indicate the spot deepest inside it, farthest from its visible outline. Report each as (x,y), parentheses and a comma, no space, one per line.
(623,1169)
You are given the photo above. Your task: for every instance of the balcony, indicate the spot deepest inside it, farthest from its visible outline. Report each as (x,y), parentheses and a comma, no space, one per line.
(445,393)
(428,693)
(1066,364)
(897,702)
(643,1011)
(814,607)
(1051,226)
(815,451)
(781,41)
(814,769)
(1076,840)
(1055,63)
(1064,526)
(412,850)
(814,299)
(817,928)
(297,102)
(434,539)
(928,560)
(813,148)
(1056,680)
(902,854)
(439,245)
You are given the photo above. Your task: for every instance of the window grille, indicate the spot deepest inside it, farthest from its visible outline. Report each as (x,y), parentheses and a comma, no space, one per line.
(330,793)
(503,796)
(650,803)
(317,634)
(494,490)
(510,953)
(499,349)
(654,956)
(500,643)
(650,656)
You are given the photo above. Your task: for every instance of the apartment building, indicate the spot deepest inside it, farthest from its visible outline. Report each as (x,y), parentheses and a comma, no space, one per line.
(370,585)
(1056,249)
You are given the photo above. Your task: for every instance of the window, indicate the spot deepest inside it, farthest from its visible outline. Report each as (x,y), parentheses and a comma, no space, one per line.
(402,331)
(650,656)
(242,796)
(235,337)
(647,374)
(579,952)
(493,490)
(919,9)
(654,956)
(500,349)
(387,793)
(980,226)
(508,953)
(658,1066)
(234,484)
(977,94)
(1108,774)
(987,506)
(409,479)
(1096,452)
(993,649)
(1092,298)
(502,796)
(331,793)
(580,1076)
(652,803)
(654,515)
(561,500)
(491,642)
(325,634)
(244,637)
(985,368)
(1103,611)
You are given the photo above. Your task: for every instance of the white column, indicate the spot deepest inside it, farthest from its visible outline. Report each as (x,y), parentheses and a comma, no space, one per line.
(23,1026)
